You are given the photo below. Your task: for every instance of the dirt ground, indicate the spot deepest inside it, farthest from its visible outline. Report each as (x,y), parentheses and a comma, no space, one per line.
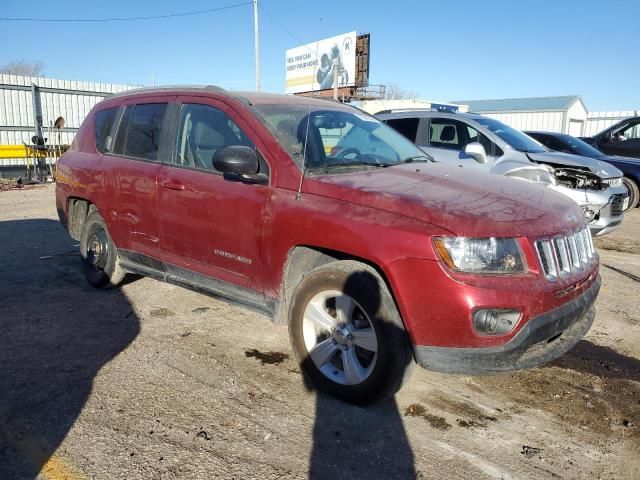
(155,381)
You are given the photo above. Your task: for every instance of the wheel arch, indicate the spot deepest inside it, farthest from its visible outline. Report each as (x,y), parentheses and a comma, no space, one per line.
(634,176)
(301,259)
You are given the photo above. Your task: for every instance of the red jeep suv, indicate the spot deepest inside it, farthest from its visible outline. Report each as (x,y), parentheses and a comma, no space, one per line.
(334,224)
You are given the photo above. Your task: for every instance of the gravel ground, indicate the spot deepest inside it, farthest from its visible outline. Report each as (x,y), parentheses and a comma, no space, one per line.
(155,381)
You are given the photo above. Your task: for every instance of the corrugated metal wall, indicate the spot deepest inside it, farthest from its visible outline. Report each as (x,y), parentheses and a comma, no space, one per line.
(553,121)
(546,121)
(70,99)
(598,121)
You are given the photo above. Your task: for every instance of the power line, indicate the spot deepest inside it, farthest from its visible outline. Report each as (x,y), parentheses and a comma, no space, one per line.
(122,19)
(275,20)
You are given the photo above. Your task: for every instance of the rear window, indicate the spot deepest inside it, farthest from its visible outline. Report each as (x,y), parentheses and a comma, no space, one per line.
(139,132)
(406,126)
(103,124)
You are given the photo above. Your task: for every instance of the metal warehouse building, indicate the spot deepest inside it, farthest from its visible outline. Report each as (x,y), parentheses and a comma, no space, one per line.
(30,105)
(554,114)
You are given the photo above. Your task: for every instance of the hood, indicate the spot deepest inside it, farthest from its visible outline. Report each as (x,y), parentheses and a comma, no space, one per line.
(558,159)
(618,158)
(462,201)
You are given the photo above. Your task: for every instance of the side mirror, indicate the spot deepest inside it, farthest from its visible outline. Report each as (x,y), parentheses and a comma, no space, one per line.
(476,150)
(239,163)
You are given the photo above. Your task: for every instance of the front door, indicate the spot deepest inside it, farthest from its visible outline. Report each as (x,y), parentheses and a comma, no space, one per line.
(624,141)
(207,224)
(445,140)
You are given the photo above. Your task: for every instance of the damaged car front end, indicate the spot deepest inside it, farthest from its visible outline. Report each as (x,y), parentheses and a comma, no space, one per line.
(482,143)
(594,185)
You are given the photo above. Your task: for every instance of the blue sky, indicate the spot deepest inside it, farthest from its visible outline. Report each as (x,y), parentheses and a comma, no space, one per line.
(442,50)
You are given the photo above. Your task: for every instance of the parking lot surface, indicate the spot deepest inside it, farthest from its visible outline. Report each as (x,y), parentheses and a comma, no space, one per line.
(155,381)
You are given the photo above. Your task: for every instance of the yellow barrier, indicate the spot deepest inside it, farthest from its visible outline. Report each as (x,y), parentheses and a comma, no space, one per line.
(13,151)
(20,151)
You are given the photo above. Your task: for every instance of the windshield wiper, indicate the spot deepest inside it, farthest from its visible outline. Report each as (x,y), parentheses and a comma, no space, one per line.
(416,158)
(352,163)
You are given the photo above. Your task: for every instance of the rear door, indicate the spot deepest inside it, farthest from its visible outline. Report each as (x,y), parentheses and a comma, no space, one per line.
(131,163)
(210,225)
(407,126)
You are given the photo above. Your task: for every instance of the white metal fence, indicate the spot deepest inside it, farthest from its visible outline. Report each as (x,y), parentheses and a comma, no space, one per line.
(598,121)
(30,103)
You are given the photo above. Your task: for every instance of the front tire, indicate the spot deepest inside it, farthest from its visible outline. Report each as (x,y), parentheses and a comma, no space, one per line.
(100,261)
(347,334)
(634,193)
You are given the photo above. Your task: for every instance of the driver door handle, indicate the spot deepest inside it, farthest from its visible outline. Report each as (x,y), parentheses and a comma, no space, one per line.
(172,185)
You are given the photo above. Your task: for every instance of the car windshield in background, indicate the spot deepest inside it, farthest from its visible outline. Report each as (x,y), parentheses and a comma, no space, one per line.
(337,139)
(513,137)
(579,147)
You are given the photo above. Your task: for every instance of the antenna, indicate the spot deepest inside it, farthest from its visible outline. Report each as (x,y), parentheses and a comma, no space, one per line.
(256,42)
(306,137)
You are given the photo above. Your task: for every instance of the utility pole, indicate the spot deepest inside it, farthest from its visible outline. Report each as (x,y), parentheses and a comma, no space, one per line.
(257,43)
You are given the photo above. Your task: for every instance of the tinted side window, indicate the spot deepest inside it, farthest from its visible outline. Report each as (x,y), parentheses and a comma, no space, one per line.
(143,126)
(103,122)
(406,126)
(202,131)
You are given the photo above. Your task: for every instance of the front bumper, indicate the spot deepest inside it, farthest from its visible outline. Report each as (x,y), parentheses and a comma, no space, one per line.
(543,339)
(606,205)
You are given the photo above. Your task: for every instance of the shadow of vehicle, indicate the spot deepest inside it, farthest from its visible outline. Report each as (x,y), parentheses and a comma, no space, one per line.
(56,333)
(587,357)
(351,442)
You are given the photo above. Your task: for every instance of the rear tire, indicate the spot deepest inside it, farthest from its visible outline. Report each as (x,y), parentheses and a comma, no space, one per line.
(100,261)
(344,314)
(634,193)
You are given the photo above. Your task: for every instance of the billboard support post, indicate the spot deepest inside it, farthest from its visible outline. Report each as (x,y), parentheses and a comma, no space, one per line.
(257,43)
(335,79)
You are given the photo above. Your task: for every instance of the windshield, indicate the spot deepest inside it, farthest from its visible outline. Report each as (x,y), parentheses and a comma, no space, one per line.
(579,147)
(337,137)
(515,138)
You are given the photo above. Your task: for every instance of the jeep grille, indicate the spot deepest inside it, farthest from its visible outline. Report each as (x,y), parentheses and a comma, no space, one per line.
(564,255)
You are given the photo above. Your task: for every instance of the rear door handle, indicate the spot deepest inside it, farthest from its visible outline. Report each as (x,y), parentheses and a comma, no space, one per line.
(172,185)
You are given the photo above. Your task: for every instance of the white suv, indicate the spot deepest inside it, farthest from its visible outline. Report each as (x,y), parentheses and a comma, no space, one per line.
(474,141)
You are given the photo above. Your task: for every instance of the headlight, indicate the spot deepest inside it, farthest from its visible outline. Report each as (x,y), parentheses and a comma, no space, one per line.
(538,174)
(480,255)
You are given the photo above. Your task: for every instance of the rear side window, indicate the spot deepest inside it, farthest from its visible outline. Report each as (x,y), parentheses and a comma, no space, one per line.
(103,123)
(139,131)
(406,126)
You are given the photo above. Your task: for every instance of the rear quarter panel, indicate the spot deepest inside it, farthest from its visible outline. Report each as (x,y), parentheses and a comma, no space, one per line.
(74,169)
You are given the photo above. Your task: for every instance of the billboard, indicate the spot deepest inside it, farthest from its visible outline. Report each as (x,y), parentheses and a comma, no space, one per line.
(313,66)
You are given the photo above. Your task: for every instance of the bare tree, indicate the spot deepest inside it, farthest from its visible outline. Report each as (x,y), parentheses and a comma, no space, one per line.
(393,91)
(21,67)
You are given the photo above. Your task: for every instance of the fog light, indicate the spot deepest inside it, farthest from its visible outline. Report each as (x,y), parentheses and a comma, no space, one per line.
(495,321)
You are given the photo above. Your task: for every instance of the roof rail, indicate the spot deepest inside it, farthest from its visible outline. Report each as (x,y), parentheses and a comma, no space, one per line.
(438,108)
(133,91)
